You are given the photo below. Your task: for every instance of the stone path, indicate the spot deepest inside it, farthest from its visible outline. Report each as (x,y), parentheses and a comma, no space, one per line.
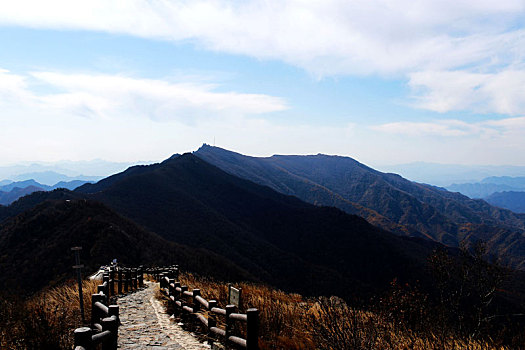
(146,325)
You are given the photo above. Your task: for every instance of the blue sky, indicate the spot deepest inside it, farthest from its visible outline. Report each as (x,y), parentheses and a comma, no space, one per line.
(384,82)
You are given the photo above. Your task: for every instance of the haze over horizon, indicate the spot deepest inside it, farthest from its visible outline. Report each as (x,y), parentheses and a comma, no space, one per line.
(383,83)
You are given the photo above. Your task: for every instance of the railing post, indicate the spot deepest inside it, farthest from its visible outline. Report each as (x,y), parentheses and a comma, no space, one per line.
(183,303)
(196,303)
(212,322)
(101,288)
(134,279)
(95,317)
(105,279)
(119,285)
(114,310)
(82,337)
(127,280)
(112,280)
(177,296)
(252,329)
(161,281)
(170,288)
(141,277)
(229,323)
(110,324)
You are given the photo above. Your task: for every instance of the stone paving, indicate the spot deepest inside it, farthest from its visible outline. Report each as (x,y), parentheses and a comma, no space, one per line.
(145,324)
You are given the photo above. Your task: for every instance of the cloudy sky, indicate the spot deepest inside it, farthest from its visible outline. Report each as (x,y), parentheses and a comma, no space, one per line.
(382,81)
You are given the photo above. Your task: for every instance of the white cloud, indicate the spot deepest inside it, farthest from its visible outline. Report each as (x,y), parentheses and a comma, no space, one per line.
(472,42)
(492,128)
(445,91)
(123,118)
(157,99)
(439,128)
(113,96)
(324,37)
(86,117)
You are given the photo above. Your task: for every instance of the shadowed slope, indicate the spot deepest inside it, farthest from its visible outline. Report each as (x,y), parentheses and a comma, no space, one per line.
(279,238)
(38,243)
(422,210)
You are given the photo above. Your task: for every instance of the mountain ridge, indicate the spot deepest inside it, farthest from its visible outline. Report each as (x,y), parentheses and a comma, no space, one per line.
(278,238)
(428,211)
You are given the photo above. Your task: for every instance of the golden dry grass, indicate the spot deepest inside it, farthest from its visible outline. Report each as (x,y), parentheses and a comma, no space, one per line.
(290,321)
(46,320)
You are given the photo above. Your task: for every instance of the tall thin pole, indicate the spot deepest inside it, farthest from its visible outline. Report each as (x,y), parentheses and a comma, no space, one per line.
(79,267)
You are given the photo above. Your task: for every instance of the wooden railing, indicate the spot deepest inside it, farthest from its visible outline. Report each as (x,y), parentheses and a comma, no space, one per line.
(104,312)
(188,303)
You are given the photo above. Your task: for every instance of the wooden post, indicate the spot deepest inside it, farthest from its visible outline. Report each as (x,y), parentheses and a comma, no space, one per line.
(141,277)
(110,324)
(229,323)
(82,337)
(79,267)
(252,329)
(183,303)
(211,323)
(161,281)
(127,280)
(95,316)
(114,310)
(119,286)
(177,296)
(196,304)
(112,280)
(170,288)
(105,279)
(134,278)
(102,288)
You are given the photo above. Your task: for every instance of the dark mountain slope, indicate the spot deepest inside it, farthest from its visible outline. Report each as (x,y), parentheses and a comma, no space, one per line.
(38,243)
(285,181)
(279,238)
(425,210)
(32,200)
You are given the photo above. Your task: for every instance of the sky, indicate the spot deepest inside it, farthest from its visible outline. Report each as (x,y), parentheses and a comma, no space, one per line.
(382,81)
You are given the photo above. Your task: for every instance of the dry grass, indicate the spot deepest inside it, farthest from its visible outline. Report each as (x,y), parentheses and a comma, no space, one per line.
(289,321)
(46,320)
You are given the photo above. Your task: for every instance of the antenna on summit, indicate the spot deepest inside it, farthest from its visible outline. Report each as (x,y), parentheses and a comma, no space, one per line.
(213,141)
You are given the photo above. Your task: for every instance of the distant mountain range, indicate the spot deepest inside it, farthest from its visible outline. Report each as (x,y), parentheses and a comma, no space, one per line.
(11,191)
(49,178)
(489,185)
(481,190)
(501,191)
(387,199)
(514,201)
(50,173)
(446,174)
